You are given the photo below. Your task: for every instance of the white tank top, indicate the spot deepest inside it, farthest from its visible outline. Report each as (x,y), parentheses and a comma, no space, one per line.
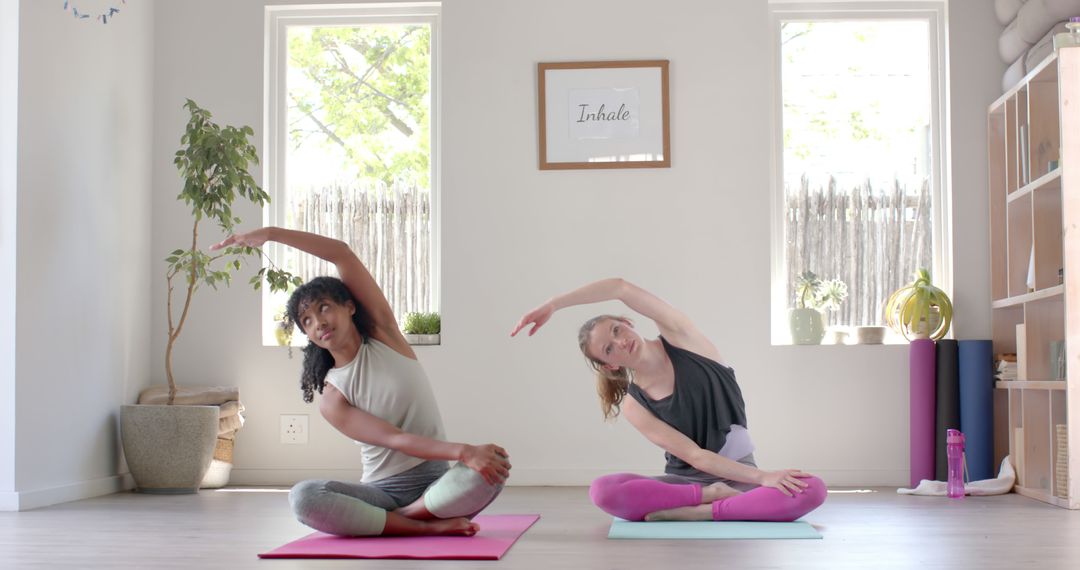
(382,382)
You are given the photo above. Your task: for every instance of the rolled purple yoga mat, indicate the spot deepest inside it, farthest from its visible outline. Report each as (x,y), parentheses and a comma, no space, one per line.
(922,370)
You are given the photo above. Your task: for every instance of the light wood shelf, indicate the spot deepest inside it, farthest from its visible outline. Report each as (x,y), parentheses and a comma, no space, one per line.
(1030,384)
(1049,293)
(1048,180)
(1033,147)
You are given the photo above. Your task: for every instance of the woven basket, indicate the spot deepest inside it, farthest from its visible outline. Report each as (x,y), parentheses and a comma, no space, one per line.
(224,450)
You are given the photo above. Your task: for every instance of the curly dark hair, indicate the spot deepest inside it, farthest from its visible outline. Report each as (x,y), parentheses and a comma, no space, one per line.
(318,360)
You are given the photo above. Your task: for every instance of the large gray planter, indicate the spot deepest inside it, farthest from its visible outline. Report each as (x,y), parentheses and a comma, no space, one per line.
(168,448)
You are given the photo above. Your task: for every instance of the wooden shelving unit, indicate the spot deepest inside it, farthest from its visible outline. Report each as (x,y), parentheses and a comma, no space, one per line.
(1034,160)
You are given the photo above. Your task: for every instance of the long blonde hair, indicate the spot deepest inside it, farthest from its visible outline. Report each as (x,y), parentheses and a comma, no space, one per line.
(611,385)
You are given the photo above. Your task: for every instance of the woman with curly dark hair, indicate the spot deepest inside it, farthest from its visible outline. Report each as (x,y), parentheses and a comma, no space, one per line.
(374,391)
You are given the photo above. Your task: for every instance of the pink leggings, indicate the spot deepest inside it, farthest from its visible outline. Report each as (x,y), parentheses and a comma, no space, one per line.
(631,497)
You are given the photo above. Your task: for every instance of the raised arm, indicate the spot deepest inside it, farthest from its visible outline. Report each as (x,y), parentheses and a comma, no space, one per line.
(490,461)
(673,324)
(670,440)
(352,271)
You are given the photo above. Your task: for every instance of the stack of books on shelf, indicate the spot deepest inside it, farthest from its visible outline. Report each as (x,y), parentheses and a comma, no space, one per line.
(1061,465)
(1005,367)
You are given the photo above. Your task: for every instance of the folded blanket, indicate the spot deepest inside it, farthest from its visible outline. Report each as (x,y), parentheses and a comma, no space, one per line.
(230,409)
(1044,47)
(1000,485)
(190,395)
(230,424)
(1007,10)
(1013,74)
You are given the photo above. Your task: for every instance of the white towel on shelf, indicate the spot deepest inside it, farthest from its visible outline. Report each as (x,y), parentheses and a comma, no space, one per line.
(1006,10)
(1000,485)
(1011,44)
(1043,48)
(1036,17)
(1013,74)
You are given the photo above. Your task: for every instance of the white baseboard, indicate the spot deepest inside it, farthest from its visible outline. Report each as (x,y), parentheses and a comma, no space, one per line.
(27,500)
(288,477)
(525,477)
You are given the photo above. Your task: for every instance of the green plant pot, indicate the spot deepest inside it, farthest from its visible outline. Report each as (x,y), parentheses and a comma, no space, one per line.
(807,326)
(423,339)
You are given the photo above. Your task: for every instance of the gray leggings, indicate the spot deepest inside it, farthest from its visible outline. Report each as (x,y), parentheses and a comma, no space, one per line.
(359,509)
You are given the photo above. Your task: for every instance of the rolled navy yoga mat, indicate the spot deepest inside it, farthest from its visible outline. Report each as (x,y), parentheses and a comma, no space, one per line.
(948,402)
(921,362)
(977,407)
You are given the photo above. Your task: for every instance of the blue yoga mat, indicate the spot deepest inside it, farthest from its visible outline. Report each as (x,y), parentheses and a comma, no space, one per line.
(977,407)
(724,530)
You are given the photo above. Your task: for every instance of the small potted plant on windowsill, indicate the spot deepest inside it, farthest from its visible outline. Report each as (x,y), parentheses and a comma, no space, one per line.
(919,309)
(811,296)
(422,328)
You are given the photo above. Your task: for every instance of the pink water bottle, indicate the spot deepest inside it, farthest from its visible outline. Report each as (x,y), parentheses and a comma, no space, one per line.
(954,450)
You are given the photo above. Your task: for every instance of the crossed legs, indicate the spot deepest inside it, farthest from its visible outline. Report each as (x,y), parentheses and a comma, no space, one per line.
(636,498)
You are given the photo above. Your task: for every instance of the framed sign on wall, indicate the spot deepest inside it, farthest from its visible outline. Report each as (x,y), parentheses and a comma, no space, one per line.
(604,114)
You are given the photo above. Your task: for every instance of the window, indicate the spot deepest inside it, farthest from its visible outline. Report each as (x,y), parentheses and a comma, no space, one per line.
(859,193)
(352,144)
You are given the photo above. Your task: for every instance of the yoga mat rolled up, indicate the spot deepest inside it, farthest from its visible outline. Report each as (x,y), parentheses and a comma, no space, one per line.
(977,407)
(948,402)
(921,361)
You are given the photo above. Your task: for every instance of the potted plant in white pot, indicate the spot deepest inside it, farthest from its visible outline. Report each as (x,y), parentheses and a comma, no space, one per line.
(169,447)
(422,328)
(806,320)
(919,309)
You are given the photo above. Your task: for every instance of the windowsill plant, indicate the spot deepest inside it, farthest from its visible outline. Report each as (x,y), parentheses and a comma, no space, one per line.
(422,328)
(812,295)
(919,309)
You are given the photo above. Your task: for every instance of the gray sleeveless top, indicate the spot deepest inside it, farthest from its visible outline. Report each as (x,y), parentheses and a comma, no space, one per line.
(706,406)
(395,388)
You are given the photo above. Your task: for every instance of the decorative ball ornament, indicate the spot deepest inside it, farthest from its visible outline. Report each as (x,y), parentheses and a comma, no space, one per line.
(103,12)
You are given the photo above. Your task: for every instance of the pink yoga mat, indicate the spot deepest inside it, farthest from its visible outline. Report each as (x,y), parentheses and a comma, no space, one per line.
(923,395)
(497,534)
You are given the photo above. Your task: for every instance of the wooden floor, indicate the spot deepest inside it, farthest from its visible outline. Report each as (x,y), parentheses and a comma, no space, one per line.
(219,529)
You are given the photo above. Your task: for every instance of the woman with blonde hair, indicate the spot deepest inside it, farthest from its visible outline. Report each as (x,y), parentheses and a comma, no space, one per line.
(684,399)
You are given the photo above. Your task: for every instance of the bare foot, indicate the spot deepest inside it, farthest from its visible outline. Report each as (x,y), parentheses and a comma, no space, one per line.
(453,527)
(717,491)
(397,525)
(698,513)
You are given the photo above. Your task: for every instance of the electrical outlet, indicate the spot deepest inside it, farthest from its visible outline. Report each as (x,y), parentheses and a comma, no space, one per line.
(294,428)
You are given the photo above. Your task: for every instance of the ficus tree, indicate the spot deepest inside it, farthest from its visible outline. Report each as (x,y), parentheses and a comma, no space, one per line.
(214,163)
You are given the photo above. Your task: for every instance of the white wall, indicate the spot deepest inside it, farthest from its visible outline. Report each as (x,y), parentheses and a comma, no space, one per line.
(9,85)
(697,234)
(83,261)
(975,82)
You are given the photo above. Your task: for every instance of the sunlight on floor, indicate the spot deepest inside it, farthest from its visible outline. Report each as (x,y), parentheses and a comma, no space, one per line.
(251,490)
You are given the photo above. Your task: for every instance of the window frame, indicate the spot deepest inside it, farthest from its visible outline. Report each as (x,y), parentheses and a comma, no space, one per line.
(278,20)
(936,16)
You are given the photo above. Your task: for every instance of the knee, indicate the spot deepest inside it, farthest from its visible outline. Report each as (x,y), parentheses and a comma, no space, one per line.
(461,492)
(602,493)
(303,495)
(815,492)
